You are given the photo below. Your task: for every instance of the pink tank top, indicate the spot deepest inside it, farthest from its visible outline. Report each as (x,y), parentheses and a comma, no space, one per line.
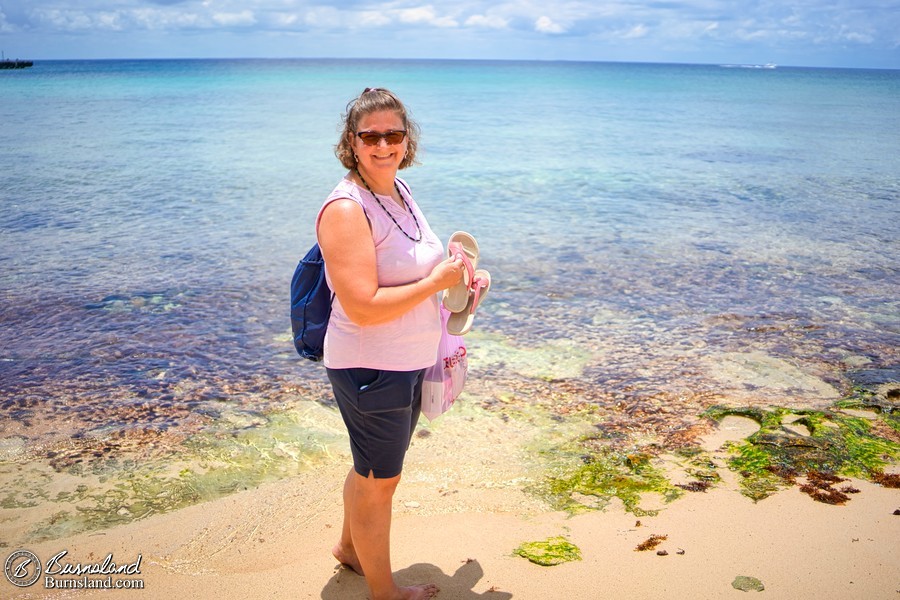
(409,342)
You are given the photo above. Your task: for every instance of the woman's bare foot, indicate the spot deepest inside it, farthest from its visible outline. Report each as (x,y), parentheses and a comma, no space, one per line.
(419,592)
(349,559)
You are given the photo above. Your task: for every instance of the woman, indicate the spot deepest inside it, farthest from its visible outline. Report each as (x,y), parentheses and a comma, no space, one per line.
(386,268)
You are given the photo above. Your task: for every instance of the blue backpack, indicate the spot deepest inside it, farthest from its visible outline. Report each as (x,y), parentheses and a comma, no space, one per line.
(311,300)
(310,305)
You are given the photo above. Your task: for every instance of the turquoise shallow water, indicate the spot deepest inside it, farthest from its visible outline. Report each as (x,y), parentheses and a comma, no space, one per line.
(651,217)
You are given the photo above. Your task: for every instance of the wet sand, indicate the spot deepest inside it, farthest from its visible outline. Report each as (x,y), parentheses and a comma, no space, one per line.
(462,509)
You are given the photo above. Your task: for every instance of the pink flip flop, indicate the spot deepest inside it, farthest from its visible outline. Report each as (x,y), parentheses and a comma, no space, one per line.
(460,322)
(464,246)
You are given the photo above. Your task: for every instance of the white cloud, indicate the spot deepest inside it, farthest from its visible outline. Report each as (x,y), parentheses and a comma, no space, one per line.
(139,18)
(751,35)
(857,37)
(545,24)
(636,32)
(487,21)
(425,15)
(64,20)
(155,19)
(749,30)
(324,17)
(284,20)
(109,22)
(422,14)
(244,18)
(369,18)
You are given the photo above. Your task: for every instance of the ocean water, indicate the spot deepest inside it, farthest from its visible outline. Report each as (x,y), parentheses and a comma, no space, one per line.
(674,232)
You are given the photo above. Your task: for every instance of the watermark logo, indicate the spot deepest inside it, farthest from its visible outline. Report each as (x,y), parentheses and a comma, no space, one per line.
(22,568)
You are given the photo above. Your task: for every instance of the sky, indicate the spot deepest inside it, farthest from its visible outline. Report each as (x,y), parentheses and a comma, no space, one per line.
(818,33)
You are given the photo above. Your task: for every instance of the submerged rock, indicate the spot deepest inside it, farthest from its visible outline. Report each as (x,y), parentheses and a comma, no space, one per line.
(881,387)
(743,374)
(870,379)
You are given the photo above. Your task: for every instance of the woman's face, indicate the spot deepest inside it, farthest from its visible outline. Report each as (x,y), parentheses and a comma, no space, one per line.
(383,157)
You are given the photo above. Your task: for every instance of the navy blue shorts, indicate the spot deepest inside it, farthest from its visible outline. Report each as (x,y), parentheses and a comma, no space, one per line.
(380,410)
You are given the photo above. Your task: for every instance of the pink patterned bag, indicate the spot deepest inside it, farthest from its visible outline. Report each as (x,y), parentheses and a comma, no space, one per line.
(445,380)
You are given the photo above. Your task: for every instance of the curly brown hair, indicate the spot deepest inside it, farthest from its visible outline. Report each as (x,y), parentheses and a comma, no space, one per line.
(374,100)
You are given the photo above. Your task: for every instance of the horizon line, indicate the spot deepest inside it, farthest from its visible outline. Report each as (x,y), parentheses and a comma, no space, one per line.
(445,59)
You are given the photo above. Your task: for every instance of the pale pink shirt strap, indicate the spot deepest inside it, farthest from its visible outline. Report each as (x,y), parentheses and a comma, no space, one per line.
(410,341)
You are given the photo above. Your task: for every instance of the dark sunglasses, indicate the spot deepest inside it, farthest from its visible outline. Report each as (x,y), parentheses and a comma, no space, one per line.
(392,137)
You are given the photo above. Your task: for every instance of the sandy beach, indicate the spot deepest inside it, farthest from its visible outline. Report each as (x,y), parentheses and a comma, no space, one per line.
(460,513)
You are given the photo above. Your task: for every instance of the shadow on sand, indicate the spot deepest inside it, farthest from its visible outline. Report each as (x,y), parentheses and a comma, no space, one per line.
(347,585)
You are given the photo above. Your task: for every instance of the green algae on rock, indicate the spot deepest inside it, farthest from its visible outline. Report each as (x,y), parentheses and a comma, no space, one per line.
(549,552)
(604,474)
(771,458)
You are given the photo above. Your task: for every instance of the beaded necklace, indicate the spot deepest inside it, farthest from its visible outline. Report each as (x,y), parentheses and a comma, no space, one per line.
(415,220)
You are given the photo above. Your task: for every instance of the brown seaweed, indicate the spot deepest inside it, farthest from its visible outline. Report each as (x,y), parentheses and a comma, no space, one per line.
(819,488)
(695,486)
(652,542)
(888,480)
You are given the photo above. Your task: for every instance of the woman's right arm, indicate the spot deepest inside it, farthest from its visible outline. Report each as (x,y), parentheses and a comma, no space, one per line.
(349,251)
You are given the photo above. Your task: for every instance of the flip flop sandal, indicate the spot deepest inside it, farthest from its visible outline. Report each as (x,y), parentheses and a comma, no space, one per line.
(463,245)
(460,323)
